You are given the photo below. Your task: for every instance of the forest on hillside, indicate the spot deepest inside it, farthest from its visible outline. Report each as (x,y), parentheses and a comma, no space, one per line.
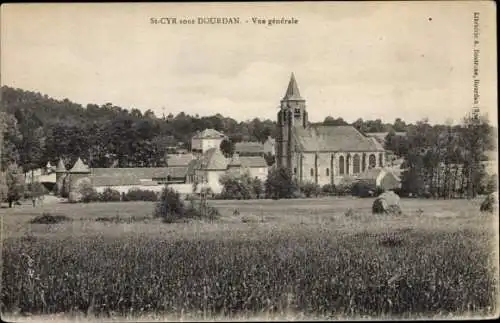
(38,128)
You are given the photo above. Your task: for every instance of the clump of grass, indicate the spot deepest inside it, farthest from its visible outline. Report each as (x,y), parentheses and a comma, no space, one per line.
(349,212)
(47,218)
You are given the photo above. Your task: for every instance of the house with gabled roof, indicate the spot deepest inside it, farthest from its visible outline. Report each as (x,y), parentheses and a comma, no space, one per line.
(321,154)
(204,140)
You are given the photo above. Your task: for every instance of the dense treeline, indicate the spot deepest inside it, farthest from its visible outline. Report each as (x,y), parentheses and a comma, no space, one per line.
(442,160)
(38,128)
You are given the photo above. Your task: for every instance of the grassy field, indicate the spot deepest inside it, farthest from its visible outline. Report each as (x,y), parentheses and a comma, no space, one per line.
(301,258)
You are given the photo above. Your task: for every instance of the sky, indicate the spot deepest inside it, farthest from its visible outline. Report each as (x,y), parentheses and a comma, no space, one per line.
(353,60)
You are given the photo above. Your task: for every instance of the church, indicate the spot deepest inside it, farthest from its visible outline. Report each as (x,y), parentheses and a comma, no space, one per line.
(317,153)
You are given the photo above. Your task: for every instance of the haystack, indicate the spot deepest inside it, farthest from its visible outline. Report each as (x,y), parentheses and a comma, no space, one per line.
(490,203)
(386,203)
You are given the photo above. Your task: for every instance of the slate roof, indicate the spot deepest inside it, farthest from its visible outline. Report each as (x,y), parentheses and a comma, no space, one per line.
(179,160)
(134,176)
(325,138)
(292,91)
(214,159)
(253,161)
(79,167)
(248,147)
(209,134)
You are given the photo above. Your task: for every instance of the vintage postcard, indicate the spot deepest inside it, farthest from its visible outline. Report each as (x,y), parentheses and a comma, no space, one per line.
(249,161)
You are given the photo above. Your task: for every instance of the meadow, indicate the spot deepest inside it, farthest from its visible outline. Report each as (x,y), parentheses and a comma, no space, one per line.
(292,259)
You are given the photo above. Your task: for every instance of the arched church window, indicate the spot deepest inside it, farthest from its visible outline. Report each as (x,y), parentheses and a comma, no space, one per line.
(297,112)
(341,165)
(312,171)
(327,172)
(380,159)
(348,164)
(295,170)
(372,161)
(363,162)
(356,164)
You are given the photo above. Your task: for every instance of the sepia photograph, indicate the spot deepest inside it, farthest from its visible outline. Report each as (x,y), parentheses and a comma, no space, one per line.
(269,161)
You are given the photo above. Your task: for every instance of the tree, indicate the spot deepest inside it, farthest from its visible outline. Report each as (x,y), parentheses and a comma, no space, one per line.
(237,186)
(15,187)
(270,159)
(227,147)
(280,183)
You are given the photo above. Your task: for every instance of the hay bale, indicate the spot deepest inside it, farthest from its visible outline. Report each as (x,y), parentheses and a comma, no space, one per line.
(490,203)
(386,203)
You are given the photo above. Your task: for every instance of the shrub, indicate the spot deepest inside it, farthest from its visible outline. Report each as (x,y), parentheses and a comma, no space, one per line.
(110,195)
(362,189)
(136,194)
(310,189)
(343,189)
(490,203)
(47,218)
(170,207)
(328,189)
(89,194)
(280,183)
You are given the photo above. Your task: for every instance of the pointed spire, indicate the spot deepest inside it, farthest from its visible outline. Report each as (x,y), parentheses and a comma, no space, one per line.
(292,92)
(79,167)
(60,167)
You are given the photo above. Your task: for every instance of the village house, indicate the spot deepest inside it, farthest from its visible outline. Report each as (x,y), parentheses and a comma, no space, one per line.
(249,148)
(321,154)
(205,140)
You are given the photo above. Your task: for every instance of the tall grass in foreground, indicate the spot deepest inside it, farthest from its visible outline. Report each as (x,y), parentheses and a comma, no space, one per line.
(403,274)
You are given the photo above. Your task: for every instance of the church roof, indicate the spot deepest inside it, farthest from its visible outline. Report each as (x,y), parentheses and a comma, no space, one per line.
(292,92)
(79,167)
(325,138)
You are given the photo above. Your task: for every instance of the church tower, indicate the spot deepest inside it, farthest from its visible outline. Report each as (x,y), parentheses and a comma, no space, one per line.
(292,114)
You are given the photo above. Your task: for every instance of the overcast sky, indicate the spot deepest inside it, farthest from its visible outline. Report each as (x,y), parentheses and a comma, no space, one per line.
(369,60)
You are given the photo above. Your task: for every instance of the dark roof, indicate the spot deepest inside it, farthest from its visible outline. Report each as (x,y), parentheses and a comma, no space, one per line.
(134,176)
(292,91)
(214,159)
(179,160)
(253,161)
(248,147)
(333,138)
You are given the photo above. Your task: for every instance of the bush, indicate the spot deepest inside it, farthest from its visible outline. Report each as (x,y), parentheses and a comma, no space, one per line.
(170,207)
(136,194)
(328,189)
(280,183)
(89,194)
(310,189)
(490,203)
(47,218)
(110,195)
